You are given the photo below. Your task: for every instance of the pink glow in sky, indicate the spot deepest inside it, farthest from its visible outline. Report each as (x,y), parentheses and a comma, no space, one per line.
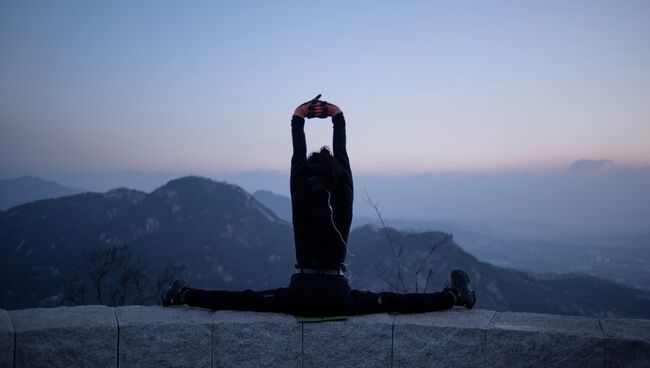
(425,86)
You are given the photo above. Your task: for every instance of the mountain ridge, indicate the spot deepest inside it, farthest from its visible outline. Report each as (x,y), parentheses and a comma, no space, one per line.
(229,240)
(206,224)
(24,189)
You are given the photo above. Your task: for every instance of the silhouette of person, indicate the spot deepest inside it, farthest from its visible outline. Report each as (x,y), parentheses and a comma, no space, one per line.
(322,194)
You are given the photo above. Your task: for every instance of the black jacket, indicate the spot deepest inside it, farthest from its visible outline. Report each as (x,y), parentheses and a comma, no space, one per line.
(318,245)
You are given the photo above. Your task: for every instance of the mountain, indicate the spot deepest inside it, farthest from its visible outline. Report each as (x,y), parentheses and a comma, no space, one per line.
(26,189)
(229,240)
(279,204)
(42,242)
(497,288)
(622,258)
(226,238)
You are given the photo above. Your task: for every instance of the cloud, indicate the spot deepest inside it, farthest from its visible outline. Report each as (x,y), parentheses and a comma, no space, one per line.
(586,166)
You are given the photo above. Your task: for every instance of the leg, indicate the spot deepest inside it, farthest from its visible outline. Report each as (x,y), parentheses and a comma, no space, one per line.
(365,302)
(274,300)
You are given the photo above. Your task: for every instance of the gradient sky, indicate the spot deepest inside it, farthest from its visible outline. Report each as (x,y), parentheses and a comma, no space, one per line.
(425,86)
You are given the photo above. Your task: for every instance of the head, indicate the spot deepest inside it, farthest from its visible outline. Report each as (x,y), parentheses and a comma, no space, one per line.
(325,167)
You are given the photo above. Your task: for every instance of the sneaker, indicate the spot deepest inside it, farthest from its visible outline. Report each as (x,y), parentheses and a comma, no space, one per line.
(172,294)
(459,284)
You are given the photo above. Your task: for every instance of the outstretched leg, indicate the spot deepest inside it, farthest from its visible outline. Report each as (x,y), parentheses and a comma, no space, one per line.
(458,292)
(274,300)
(366,302)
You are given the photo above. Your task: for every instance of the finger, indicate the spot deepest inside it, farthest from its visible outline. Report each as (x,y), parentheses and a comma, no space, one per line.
(313,100)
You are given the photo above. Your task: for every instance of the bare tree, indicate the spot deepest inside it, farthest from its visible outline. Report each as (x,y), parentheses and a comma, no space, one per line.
(113,275)
(403,274)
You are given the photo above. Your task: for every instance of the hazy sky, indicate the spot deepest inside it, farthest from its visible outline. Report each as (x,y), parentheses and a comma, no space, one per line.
(425,86)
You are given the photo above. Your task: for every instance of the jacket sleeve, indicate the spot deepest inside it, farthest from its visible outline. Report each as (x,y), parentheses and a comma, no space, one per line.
(299,157)
(338,146)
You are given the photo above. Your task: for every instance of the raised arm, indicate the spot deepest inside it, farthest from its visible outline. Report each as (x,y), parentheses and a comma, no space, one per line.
(299,142)
(320,109)
(339,140)
(306,109)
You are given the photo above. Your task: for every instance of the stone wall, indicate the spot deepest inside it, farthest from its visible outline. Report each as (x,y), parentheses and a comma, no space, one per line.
(136,336)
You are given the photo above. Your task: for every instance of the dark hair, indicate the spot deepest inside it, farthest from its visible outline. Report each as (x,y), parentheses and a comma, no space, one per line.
(325,166)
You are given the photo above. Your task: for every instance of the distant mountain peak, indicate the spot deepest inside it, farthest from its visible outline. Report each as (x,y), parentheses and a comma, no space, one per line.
(280,205)
(32,180)
(196,185)
(189,180)
(25,189)
(199,192)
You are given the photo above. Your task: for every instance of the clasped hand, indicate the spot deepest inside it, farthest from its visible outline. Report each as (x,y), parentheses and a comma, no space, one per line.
(316,108)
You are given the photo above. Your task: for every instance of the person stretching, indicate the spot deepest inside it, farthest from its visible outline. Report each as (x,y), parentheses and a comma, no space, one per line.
(322,193)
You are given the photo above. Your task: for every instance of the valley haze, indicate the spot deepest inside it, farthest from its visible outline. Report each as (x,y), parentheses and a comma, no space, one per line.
(587,197)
